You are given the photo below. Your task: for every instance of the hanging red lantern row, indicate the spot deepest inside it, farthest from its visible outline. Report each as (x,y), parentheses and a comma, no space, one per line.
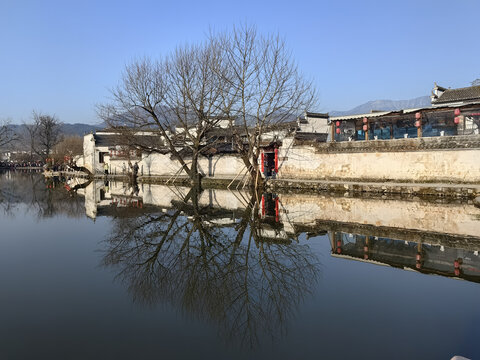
(337,130)
(365,124)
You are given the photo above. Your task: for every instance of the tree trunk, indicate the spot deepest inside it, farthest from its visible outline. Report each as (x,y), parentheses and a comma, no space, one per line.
(195,176)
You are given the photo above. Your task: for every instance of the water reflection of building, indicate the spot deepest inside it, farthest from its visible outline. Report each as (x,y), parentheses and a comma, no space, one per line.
(443,260)
(441,238)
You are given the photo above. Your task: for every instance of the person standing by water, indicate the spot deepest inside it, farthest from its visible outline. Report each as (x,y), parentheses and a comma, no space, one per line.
(135,169)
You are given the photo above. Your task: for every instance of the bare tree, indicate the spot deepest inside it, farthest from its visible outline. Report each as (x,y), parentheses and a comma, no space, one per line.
(7,136)
(235,75)
(47,133)
(180,97)
(29,138)
(70,146)
(138,104)
(266,89)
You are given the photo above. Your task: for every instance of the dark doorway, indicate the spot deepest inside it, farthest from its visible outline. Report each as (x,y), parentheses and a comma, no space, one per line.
(269,164)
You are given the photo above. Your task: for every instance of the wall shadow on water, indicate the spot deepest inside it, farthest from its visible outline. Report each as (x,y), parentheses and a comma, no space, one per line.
(214,265)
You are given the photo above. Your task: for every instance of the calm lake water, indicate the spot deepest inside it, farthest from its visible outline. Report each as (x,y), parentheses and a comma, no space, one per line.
(113,271)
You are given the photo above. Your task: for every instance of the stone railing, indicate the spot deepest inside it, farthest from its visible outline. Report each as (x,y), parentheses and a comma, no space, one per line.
(396,145)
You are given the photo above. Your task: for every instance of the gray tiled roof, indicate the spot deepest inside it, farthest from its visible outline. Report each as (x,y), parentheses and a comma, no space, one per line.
(110,140)
(462,94)
(106,139)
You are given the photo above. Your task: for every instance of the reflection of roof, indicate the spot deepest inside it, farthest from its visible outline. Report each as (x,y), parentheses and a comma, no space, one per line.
(462,94)
(431,270)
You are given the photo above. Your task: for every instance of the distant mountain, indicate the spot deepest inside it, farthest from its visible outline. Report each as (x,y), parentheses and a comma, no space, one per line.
(66,129)
(385,105)
(79,129)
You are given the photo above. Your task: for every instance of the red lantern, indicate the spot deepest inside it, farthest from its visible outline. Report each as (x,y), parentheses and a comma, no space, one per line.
(457,112)
(337,123)
(338,131)
(365,127)
(418,123)
(456,120)
(365,120)
(456,264)
(418,257)
(457,272)
(418,115)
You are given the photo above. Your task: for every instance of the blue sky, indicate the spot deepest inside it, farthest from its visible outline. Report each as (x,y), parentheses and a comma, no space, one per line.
(61,57)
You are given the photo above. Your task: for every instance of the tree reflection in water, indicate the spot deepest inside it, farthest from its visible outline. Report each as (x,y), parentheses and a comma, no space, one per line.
(46,197)
(227,274)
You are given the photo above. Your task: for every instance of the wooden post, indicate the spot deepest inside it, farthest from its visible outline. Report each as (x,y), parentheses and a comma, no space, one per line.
(418,118)
(366,134)
(332,132)
(276,160)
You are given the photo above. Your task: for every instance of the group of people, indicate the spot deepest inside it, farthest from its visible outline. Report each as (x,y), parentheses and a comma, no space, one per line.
(20,164)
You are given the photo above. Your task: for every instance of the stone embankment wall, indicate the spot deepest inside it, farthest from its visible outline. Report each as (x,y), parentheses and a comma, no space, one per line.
(453,159)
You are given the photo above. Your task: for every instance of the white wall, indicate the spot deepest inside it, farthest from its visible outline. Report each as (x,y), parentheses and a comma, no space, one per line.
(436,165)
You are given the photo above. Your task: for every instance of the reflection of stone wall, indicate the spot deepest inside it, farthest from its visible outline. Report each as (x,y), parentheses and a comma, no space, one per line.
(91,200)
(460,219)
(308,209)
(440,159)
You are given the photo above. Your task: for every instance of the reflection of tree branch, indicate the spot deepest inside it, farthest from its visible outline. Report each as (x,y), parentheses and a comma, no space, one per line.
(212,272)
(31,188)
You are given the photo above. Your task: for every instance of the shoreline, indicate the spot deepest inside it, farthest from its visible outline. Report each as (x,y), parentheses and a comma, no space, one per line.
(349,188)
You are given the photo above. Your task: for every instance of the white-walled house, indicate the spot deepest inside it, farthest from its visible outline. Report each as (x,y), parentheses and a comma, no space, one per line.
(107,147)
